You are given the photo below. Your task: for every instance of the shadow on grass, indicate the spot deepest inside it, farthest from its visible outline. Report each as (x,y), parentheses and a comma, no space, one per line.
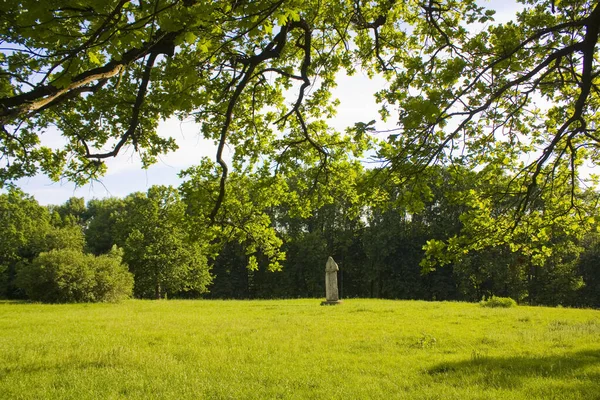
(577,371)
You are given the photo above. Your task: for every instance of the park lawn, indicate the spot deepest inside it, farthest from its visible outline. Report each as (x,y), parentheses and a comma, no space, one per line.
(296,349)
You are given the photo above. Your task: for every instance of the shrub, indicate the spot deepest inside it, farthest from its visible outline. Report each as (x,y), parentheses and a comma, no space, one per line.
(502,302)
(70,276)
(114,282)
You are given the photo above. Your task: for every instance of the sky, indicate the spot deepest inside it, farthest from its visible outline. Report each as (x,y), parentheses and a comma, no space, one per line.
(126,175)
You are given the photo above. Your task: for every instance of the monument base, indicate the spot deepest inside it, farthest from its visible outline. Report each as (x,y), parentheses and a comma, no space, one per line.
(331,303)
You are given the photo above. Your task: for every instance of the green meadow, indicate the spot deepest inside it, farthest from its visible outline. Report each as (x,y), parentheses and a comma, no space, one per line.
(296,349)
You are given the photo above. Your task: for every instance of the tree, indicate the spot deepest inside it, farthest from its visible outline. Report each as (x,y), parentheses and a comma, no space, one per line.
(119,66)
(400,222)
(522,95)
(534,260)
(158,247)
(71,213)
(21,220)
(101,224)
(23,226)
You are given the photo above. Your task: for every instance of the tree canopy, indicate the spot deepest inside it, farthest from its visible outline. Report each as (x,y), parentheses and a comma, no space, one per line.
(258,77)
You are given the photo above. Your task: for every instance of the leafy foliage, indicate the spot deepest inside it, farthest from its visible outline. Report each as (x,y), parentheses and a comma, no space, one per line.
(158,246)
(123,66)
(23,226)
(65,276)
(466,90)
(101,224)
(550,227)
(22,220)
(521,97)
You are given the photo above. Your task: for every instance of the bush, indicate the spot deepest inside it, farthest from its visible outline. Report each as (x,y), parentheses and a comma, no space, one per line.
(70,276)
(502,302)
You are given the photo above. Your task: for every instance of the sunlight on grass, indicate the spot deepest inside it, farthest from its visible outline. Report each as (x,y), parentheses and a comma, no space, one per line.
(297,349)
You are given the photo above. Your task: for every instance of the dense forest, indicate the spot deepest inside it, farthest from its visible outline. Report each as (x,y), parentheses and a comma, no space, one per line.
(157,244)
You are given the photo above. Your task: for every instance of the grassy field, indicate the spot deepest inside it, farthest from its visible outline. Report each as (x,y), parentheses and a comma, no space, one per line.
(296,349)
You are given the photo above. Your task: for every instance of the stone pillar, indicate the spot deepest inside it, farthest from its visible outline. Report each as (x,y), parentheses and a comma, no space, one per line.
(331,283)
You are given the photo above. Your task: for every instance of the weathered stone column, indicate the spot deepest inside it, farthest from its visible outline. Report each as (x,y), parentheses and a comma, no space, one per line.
(331,283)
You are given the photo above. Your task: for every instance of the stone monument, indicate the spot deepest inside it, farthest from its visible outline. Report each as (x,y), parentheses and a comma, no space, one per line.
(331,284)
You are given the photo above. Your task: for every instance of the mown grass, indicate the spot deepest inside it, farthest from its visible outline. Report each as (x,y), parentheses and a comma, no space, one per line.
(297,349)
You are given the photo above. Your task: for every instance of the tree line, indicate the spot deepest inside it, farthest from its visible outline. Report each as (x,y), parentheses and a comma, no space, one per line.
(451,235)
